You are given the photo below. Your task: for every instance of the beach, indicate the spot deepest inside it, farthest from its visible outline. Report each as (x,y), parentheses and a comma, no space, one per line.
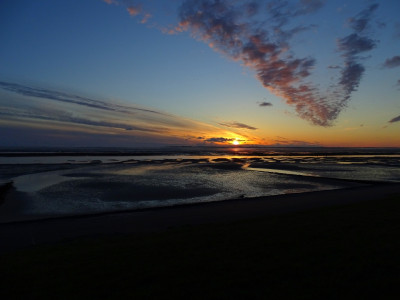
(59,196)
(338,244)
(19,235)
(209,226)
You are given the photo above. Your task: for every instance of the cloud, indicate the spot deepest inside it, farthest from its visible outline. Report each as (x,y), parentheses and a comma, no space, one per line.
(54,137)
(351,46)
(392,62)
(237,125)
(219,140)
(354,44)
(351,76)
(263,104)
(282,11)
(396,119)
(134,10)
(309,6)
(145,18)
(62,116)
(258,34)
(230,28)
(26,107)
(361,22)
(282,141)
(69,98)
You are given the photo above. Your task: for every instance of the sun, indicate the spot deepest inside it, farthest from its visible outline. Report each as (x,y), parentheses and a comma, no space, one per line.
(236,142)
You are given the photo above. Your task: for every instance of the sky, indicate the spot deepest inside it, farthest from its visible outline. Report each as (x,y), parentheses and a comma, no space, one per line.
(126,73)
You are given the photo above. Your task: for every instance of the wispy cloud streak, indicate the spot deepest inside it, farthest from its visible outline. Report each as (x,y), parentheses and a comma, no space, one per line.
(396,119)
(60,111)
(69,98)
(62,116)
(237,125)
(281,141)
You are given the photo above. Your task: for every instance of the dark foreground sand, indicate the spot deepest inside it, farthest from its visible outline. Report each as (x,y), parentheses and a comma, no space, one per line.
(30,233)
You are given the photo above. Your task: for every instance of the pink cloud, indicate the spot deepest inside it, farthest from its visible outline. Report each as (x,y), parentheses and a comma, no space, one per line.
(145,18)
(134,10)
(229,28)
(111,1)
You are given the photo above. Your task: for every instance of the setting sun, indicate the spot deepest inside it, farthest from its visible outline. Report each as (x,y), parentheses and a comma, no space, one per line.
(236,142)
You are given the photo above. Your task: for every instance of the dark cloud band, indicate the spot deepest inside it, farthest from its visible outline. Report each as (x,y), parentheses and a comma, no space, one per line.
(396,119)
(218,140)
(238,125)
(392,62)
(263,104)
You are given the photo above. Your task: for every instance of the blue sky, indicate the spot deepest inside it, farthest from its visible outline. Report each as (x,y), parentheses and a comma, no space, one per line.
(176,58)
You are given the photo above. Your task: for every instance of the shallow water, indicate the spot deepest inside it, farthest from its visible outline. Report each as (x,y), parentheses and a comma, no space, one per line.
(125,183)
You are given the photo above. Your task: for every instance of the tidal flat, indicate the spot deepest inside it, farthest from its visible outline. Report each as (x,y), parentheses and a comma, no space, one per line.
(61,186)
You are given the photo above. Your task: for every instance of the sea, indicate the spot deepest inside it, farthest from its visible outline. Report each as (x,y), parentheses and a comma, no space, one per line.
(53,183)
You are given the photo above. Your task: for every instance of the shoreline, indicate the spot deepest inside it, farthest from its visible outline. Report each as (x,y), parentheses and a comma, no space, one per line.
(44,217)
(24,234)
(244,149)
(14,196)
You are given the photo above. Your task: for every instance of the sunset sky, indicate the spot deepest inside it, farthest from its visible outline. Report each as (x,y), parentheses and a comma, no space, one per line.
(184,72)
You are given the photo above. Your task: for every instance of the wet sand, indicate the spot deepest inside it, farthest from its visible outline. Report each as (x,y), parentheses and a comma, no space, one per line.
(20,235)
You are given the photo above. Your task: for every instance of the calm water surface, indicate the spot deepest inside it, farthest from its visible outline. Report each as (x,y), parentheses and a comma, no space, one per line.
(48,186)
